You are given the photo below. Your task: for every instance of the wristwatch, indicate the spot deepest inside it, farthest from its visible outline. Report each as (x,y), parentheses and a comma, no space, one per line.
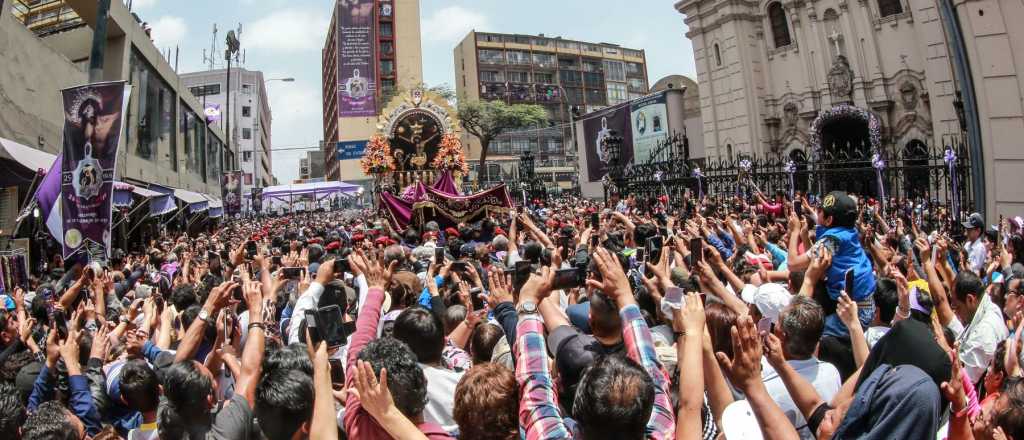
(527,308)
(205,317)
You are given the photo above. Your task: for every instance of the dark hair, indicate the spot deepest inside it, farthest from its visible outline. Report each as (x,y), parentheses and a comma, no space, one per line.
(967,283)
(284,401)
(140,387)
(803,322)
(1011,419)
(482,341)
(183,296)
(315,252)
(406,380)
(422,330)
(187,389)
(644,231)
(487,403)
(292,357)
(453,316)
(604,316)
(720,320)
(50,422)
(886,299)
(12,411)
(614,399)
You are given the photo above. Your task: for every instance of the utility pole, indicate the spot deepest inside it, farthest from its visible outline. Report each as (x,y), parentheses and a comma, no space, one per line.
(231,52)
(99,42)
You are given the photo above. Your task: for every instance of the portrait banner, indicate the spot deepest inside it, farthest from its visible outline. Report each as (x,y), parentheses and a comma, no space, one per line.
(650,125)
(231,188)
(357,58)
(599,125)
(92,132)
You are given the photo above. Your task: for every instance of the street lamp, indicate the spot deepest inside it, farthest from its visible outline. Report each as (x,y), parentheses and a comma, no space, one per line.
(287,80)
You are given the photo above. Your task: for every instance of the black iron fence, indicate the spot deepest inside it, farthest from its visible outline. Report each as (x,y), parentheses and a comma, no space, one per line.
(915,171)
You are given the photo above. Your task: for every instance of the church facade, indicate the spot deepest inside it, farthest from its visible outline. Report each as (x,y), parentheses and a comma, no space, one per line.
(927,73)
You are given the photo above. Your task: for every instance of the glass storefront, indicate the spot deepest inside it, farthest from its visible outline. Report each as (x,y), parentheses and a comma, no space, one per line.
(151,115)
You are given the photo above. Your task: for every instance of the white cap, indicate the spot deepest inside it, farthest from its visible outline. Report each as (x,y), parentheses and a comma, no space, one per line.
(740,423)
(770,299)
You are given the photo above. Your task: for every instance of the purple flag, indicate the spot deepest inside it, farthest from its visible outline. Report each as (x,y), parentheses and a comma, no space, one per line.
(46,197)
(212,113)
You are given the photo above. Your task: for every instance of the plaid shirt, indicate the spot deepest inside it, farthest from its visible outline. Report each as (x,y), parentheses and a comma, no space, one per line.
(539,414)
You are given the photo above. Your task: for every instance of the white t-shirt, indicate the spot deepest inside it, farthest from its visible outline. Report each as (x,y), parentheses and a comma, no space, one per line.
(978,341)
(822,375)
(441,384)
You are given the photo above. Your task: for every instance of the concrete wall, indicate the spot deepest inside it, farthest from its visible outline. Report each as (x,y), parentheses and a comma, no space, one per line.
(31,77)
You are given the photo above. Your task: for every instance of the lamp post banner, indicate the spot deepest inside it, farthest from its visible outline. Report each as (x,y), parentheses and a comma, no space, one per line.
(357,55)
(231,187)
(599,125)
(92,132)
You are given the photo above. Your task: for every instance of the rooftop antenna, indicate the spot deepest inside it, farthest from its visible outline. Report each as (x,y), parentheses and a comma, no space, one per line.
(210,59)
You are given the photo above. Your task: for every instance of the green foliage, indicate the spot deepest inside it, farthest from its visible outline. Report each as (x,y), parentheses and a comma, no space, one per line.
(488,119)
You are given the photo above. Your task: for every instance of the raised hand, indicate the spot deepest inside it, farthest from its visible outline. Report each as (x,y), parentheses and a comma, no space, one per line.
(744,369)
(613,282)
(501,288)
(846,308)
(373,394)
(690,318)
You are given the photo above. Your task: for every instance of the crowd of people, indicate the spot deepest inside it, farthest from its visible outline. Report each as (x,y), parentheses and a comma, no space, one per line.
(725,317)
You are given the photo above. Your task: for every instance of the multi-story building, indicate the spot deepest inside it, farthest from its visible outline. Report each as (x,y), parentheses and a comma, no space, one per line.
(250,120)
(371,53)
(44,17)
(166,140)
(312,166)
(567,77)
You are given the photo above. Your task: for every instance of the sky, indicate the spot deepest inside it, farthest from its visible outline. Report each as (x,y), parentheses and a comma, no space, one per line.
(284,38)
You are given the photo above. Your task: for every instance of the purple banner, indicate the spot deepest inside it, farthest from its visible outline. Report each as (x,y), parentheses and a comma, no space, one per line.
(92,131)
(231,188)
(212,113)
(357,58)
(599,125)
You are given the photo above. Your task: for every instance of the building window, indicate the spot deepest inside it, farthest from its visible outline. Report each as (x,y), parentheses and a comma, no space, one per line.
(541,42)
(247,156)
(567,63)
(520,39)
(593,79)
(589,47)
(247,89)
(386,30)
(574,95)
(780,30)
(637,84)
(246,111)
(616,93)
(191,133)
(387,67)
(205,90)
(632,53)
(543,78)
(718,56)
(387,85)
(491,56)
(247,180)
(611,51)
(591,66)
(388,48)
(544,60)
(634,69)
(889,7)
(492,76)
(246,133)
(569,77)
(519,77)
(489,38)
(386,10)
(614,70)
(596,97)
(570,45)
(152,111)
(518,57)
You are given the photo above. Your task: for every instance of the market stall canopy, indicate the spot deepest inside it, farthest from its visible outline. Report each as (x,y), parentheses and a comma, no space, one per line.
(31,158)
(316,189)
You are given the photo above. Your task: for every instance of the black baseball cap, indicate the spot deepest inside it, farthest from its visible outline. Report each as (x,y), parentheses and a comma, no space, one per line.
(841,207)
(974,221)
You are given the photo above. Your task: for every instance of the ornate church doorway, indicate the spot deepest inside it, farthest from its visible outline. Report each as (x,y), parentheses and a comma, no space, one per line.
(843,140)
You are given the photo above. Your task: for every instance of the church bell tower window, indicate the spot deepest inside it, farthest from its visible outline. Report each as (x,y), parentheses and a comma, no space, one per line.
(780,29)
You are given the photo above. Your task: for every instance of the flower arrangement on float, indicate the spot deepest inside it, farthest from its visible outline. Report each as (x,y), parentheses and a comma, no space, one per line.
(450,155)
(377,158)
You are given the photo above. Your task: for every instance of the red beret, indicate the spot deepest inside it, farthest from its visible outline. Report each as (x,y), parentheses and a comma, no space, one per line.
(314,241)
(429,235)
(384,241)
(499,231)
(335,245)
(663,198)
(451,232)
(358,237)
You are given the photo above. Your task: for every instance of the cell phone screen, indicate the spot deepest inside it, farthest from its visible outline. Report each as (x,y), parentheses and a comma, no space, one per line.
(314,332)
(595,221)
(474,295)
(60,321)
(250,249)
(438,255)
(640,257)
(697,250)
(654,245)
(337,372)
(292,273)
(566,279)
(341,265)
(330,325)
(276,260)
(849,282)
(564,243)
(798,208)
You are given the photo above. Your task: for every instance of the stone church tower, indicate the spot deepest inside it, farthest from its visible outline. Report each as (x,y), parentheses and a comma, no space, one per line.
(766,68)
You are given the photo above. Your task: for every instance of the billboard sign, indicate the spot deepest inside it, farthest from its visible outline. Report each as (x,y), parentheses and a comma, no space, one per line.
(357,58)
(649,117)
(599,125)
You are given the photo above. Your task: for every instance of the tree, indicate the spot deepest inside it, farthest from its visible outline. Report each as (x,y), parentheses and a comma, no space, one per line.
(489,119)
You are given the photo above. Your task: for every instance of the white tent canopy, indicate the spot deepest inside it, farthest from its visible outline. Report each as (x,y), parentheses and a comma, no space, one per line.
(317,189)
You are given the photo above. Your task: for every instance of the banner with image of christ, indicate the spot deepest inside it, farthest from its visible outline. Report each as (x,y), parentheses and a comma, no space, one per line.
(231,188)
(599,125)
(93,115)
(357,58)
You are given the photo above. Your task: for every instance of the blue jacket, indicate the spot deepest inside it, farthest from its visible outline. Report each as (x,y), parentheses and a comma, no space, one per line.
(849,255)
(80,401)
